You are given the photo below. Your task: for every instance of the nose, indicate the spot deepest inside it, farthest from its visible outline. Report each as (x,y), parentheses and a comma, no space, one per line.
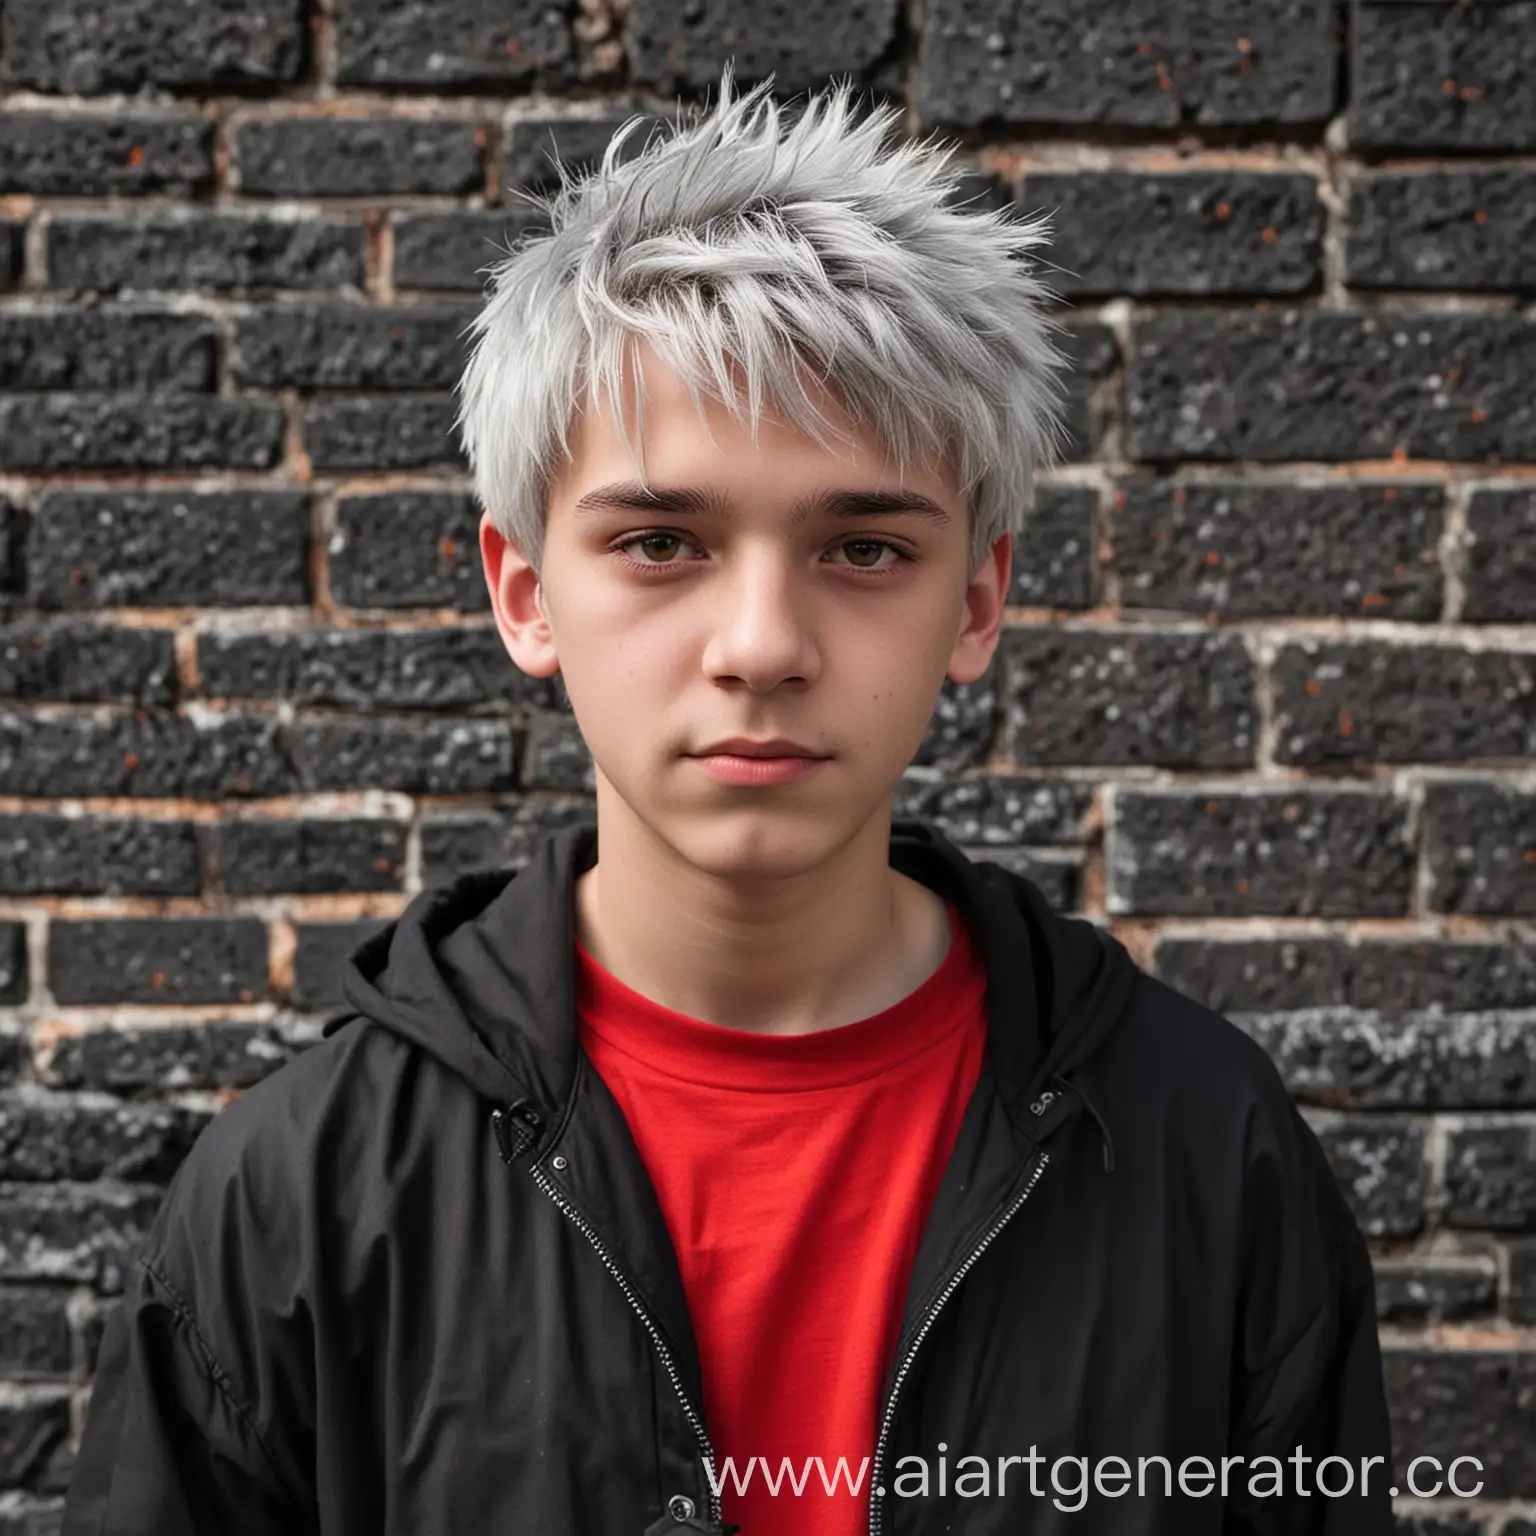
(760,630)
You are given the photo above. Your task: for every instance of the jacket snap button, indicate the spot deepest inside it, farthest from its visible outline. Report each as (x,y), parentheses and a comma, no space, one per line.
(680,1507)
(1040,1104)
(559,1160)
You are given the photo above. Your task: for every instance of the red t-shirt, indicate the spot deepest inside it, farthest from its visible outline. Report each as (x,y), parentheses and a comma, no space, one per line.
(795,1174)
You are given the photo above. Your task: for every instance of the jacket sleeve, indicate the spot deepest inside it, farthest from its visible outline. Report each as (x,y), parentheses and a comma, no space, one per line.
(168,1448)
(1311,1384)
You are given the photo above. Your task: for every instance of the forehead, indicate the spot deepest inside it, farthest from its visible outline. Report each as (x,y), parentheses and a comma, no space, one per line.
(675,436)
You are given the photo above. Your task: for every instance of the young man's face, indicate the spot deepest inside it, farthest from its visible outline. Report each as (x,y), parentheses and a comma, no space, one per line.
(745,622)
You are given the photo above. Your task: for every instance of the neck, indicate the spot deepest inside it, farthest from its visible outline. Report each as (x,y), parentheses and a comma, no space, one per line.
(785,953)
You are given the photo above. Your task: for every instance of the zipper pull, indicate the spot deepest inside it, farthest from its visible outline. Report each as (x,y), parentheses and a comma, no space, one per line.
(517,1128)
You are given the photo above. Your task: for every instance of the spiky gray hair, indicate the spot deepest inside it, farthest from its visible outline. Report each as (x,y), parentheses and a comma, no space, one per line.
(745,251)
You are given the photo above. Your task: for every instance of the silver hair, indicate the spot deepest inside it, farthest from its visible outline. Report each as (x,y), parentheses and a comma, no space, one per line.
(745,250)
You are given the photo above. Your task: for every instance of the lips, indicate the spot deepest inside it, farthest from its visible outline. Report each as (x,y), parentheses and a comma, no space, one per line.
(739,746)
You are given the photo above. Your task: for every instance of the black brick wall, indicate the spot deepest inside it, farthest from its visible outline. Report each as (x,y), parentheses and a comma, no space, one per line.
(1266,705)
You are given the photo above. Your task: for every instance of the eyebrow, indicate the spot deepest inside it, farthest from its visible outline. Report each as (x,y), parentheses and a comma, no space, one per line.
(706,501)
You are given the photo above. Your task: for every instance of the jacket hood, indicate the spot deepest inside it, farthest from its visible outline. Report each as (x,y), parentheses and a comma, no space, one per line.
(480,971)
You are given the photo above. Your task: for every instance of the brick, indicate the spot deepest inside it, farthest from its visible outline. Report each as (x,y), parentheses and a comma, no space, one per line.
(1499,570)
(158,960)
(13,534)
(1087,696)
(1365,1059)
(410,756)
(1139,63)
(1380,1165)
(57,349)
(356,157)
(281,855)
(77,661)
(1055,561)
(97,855)
(997,810)
(532,145)
(1439,1524)
(961,728)
(556,755)
(35,1452)
(48,1136)
(455,843)
(1092,355)
(1414,1290)
(1304,853)
(217,252)
(671,47)
(1441,229)
(157,549)
(408,549)
(367,669)
(1488,1181)
(1480,846)
(1309,384)
(138,431)
(1246,547)
(1448,1403)
(147,752)
(1457,976)
(451,251)
(82,1232)
(86,48)
(1520,1297)
(440,43)
(403,432)
(77,155)
(1371,700)
(34,1331)
(13,962)
(10,253)
(163,1057)
(353,346)
(1197,232)
(322,951)
(1442,76)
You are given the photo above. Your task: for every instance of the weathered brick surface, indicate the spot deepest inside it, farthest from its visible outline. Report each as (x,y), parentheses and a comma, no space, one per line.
(446,43)
(1083,697)
(275,855)
(390,432)
(156,549)
(675,47)
(357,157)
(1308,853)
(1479,839)
(353,346)
(51,152)
(158,960)
(1500,567)
(137,431)
(1364,700)
(1255,547)
(408,549)
(97,349)
(98,855)
(1307,384)
(1140,64)
(1196,232)
(184,45)
(217,252)
(1442,75)
(1263,704)
(1442,229)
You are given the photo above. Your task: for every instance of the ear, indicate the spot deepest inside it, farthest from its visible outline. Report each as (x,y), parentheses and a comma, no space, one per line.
(517,601)
(985,598)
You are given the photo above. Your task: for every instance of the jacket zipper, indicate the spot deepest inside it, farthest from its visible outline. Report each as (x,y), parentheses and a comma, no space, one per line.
(888,1419)
(529,1120)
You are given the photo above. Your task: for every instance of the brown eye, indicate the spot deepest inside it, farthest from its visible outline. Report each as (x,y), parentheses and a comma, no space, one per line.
(871,546)
(648,541)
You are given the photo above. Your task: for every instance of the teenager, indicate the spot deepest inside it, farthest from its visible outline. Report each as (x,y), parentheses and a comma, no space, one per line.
(752,1159)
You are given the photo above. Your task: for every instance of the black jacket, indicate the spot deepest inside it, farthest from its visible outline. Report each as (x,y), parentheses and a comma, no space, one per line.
(417,1279)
